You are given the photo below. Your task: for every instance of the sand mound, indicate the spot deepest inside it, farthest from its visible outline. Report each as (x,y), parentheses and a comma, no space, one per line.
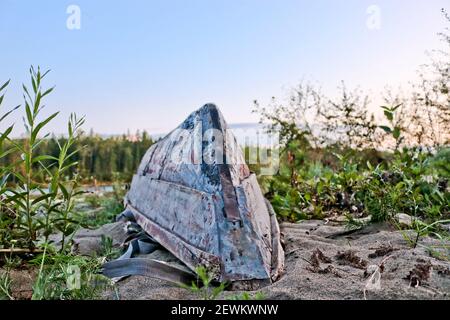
(325,261)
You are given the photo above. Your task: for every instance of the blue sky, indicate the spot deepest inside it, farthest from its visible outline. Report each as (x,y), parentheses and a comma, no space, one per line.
(148,64)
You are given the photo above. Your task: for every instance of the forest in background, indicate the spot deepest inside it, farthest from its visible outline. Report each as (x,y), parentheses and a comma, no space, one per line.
(99,160)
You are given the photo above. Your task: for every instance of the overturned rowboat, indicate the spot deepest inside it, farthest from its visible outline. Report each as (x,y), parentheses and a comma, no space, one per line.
(194,195)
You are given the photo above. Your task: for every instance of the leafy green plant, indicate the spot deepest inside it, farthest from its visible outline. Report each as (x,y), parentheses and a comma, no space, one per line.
(65,221)
(27,207)
(5,134)
(66,276)
(7,215)
(441,162)
(11,261)
(394,129)
(108,250)
(93,200)
(422,229)
(39,210)
(205,288)
(58,188)
(5,286)
(106,212)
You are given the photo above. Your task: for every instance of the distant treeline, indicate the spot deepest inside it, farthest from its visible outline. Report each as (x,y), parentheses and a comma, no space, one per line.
(100,159)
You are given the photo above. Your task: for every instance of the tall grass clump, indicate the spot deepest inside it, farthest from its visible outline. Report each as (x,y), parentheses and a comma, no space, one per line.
(32,210)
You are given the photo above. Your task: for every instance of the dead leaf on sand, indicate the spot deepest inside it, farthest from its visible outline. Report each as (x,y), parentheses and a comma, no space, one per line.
(420,274)
(382,251)
(350,258)
(316,258)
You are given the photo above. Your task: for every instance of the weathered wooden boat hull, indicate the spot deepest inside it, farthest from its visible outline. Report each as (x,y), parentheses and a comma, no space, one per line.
(194,194)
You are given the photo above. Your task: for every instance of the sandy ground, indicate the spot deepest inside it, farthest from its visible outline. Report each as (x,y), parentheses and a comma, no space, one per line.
(324,261)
